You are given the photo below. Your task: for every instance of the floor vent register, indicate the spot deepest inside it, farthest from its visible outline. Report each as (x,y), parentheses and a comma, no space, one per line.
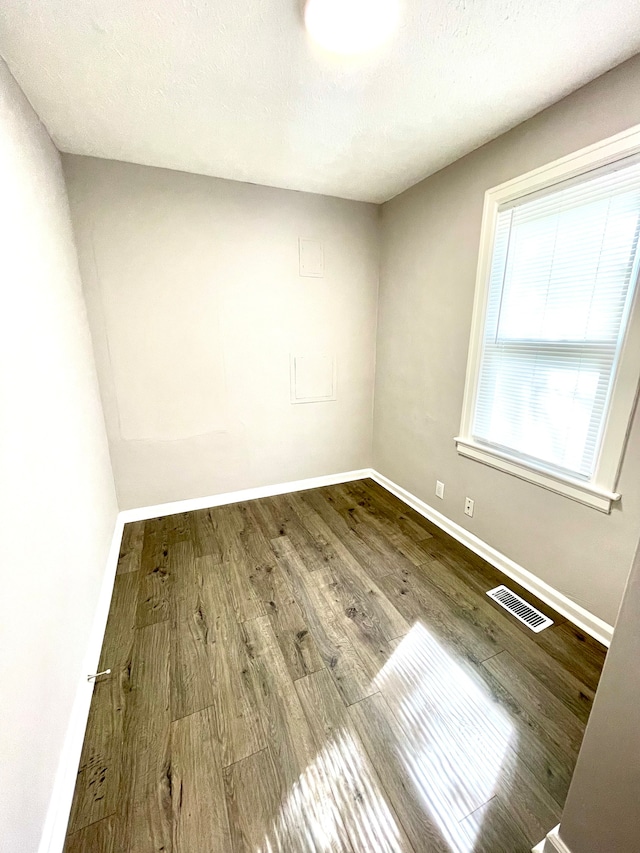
(519,608)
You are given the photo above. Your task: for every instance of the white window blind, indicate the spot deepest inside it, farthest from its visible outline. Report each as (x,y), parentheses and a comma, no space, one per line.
(562,278)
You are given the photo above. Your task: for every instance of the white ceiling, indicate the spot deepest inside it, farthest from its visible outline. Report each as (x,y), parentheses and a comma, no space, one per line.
(234,88)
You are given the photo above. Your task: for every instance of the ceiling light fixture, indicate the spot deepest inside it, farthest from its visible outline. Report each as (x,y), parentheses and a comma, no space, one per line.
(351,26)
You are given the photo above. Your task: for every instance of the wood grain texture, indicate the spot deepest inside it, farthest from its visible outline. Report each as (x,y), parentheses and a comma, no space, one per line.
(99,773)
(310,814)
(283,721)
(490,829)
(98,782)
(314,549)
(464,587)
(531,807)
(359,624)
(155,579)
(192,659)
(253,802)
(375,551)
(130,556)
(145,813)
(206,541)
(560,726)
(363,804)
(323,671)
(98,836)
(186,593)
(574,650)
(482,576)
(236,705)
(118,641)
(382,517)
(388,746)
(296,642)
(419,600)
(372,497)
(332,639)
(200,821)
(355,579)
(242,594)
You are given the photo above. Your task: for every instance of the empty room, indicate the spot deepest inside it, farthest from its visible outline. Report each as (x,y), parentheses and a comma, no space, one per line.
(319,440)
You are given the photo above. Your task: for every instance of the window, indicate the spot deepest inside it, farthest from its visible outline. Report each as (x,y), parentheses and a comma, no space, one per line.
(553,360)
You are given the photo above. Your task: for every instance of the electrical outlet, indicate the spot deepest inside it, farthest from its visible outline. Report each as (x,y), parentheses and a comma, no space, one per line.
(468,506)
(439,489)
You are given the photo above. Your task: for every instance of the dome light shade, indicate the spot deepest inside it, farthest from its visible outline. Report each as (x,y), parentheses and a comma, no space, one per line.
(351,26)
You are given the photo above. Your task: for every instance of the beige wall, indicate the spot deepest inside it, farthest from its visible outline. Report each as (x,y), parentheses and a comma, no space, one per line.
(195,304)
(57,501)
(430,237)
(601,811)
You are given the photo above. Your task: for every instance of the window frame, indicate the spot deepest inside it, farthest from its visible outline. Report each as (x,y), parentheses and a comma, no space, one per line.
(599,492)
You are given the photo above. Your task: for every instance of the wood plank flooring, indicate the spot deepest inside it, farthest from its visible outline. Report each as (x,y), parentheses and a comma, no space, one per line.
(322,671)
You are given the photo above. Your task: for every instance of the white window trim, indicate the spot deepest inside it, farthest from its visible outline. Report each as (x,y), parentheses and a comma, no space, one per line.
(600,492)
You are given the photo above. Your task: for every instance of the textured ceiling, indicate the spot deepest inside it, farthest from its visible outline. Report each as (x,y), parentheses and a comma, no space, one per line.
(234,88)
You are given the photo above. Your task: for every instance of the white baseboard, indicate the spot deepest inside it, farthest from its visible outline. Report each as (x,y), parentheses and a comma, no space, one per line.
(55,826)
(191,504)
(586,621)
(551,844)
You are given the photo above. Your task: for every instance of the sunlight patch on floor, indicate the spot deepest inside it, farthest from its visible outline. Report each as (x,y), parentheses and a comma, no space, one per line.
(335,799)
(457,736)
(450,739)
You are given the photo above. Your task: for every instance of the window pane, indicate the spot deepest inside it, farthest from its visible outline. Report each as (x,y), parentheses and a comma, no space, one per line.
(567,273)
(545,410)
(562,277)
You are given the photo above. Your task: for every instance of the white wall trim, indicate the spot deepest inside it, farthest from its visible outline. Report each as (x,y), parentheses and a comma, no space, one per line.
(581,617)
(583,492)
(190,504)
(552,844)
(55,825)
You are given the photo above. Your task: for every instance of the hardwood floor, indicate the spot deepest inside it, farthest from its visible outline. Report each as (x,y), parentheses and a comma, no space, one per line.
(322,671)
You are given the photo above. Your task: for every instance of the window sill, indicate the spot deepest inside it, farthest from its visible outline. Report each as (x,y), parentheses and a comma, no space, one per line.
(584,493)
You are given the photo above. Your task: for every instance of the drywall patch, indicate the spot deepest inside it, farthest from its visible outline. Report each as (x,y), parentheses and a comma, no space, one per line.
(166,351)
(311,258)
(313,377)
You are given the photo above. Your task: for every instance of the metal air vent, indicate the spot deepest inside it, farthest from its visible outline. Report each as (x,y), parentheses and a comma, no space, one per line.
(519,608)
